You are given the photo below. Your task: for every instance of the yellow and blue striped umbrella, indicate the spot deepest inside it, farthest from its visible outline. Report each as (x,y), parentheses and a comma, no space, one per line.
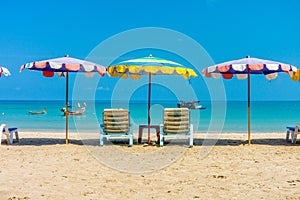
(150,65)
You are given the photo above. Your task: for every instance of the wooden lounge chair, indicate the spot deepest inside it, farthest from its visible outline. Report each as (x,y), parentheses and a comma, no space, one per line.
(292,132)
(9,132)
(116,124)
(176,125)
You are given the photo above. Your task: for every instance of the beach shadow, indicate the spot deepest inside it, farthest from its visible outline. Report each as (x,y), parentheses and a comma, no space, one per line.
(62,141)
(197,142)
(46,141)
(235,142)
(274,142)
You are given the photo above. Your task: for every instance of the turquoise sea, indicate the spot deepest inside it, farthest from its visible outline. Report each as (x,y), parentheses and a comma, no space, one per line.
(231,116)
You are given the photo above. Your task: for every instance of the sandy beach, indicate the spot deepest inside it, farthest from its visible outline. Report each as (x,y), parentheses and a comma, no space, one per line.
(223,166)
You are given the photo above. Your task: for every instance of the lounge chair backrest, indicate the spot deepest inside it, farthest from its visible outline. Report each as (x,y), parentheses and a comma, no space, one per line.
(176,120)
(116,120)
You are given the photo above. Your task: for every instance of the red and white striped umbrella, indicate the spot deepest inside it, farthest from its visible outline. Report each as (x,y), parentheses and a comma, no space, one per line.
(4,71)
(242,69)
(62,66)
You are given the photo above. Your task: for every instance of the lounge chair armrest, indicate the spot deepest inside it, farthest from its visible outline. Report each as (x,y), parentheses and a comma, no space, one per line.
(12,129)
(290,127)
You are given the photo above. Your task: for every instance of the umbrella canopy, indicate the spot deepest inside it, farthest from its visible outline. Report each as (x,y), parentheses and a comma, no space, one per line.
(150,66)
(4,71)
(62,66)
(242,68)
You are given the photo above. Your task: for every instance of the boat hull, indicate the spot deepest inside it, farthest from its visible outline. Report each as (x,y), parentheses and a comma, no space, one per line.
(189,105)
(74,112)
(37,113)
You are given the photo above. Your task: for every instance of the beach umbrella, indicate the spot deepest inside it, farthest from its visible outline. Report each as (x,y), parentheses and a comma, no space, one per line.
(148,66)
(4,71)
(62,66)
(242,68)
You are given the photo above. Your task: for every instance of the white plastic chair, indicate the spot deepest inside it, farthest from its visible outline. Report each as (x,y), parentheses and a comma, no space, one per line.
(9,132)
(292,132)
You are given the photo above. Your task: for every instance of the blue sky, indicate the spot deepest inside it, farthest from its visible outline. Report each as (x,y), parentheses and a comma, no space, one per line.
(226,29)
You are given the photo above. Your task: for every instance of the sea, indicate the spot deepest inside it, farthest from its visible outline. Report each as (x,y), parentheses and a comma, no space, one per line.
(222,117)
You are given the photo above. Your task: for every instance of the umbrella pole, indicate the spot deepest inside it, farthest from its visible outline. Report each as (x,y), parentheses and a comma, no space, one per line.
(249,141)
(67,111)
(149,97)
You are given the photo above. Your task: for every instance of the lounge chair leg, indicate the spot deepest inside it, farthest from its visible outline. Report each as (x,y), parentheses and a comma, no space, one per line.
(191,143)
(130,140)
(6,132)
(8,139)
(11,137)
(295,137)
(292,137)
(294,134)
(287,135)
(161,136)
(17,136)
(161,140)
(101,139)
(1,134)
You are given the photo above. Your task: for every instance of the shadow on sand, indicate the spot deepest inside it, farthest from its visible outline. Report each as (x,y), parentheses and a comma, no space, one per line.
(197,142)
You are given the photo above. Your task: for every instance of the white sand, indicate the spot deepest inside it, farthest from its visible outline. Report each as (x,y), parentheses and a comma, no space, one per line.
(41,166)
